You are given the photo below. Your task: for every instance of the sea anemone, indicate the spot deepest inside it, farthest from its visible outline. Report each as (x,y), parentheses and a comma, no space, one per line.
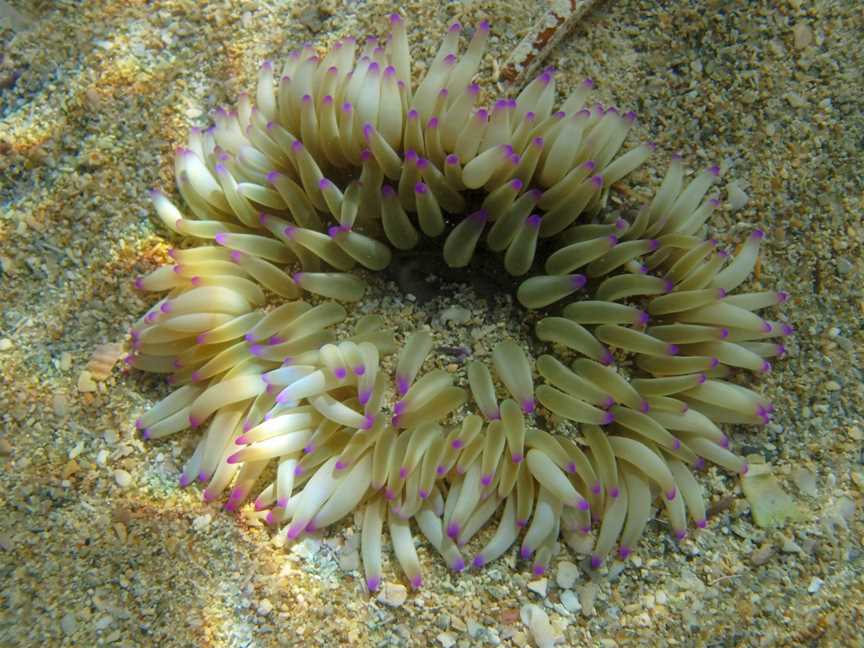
(337,159)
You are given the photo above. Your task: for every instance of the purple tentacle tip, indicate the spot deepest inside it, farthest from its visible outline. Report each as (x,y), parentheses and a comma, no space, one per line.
(485,479)
(479,561)
(458,566)
(423,494)
(614,492)
(597,488)
(744,469)
(220,238)
(271,517)
(538,570)
(417,582)
(193,422)
(529,405)
(203,476)
(372,584)
(521,523)
(584,505)
(644,407)
(596,562)
(517,457)
(184,481)
(453,530)
(145,434)
(680,534)
(608,417)
(207,496)
(526,552)
(702,523)
(234,458)
(340,465)
(624,552)
(671,494)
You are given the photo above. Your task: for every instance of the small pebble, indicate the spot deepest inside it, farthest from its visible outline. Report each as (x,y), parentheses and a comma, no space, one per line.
(5,344)
(60,404)
(587,596)
(815,585)
(5,447)
(68,623)
(539,586)
(202,522)
(570,601)
(123,478)
(446,639)
(567,574)
(86,382)
(844,266)
(802,36)
(265,607)
(393,594)
(763,554)
(737,197)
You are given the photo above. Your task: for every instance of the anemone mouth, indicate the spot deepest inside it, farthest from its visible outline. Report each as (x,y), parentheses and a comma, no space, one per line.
(340,163)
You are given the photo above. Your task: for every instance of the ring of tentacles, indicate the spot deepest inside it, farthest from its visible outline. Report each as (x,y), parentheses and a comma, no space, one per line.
(337,160)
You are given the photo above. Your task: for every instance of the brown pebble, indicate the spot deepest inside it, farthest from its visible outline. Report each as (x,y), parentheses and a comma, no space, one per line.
(763,554)
(802,36)
(5,447)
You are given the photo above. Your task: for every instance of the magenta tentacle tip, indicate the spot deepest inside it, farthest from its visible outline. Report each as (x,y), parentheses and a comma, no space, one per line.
(517,457)
(372,584)
(670,495)
(584,505)
(624,552)
(680,534)
(526,552)
(453,530)
(538,570)
(701,523)
(184,481)
(596,561)
(614,492)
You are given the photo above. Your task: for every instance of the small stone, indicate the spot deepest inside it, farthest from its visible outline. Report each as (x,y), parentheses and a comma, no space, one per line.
(833,385)
(265,607)
(60,404)
(815,585)
(567,574)
(539,586)
(446,639)
(661,597)
(770,505)
(85,382)
(587,596)
(737,197)
(805,481)
(802,36)
(5,447)
(474,629)
(5,344)
(68,623)
(65,361)
(538,623)
(123,478)
(763,554)
(844,266)
(393,594)
(795,100)
(570,601)
(202,522)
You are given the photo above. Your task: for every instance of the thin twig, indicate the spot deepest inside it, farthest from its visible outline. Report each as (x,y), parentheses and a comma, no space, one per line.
(542,38)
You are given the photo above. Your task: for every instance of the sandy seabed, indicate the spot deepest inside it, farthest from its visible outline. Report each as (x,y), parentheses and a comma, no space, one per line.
(99,545)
